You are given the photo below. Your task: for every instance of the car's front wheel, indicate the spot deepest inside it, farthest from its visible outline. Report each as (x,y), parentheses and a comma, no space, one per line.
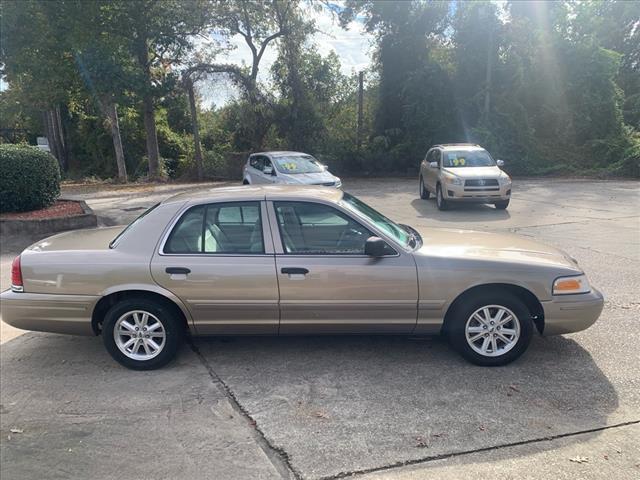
(141,334)
(502,205)
(424,193)
(440,201)
(490,329)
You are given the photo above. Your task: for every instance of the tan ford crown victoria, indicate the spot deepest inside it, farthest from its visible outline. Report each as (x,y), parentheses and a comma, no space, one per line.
(283,260)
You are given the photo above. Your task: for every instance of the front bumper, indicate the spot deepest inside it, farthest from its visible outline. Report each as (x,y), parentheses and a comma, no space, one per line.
(572,313)
(70,314)
(489,194)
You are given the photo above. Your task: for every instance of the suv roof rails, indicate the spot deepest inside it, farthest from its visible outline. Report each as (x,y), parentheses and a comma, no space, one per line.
(457,145)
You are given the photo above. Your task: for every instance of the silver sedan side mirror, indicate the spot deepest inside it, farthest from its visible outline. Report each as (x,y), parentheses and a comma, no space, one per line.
(433,164)
(500,163)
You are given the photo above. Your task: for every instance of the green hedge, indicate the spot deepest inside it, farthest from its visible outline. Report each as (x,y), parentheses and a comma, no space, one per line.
(29,178)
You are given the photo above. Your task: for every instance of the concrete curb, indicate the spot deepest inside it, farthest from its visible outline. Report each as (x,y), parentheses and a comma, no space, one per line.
(88,219)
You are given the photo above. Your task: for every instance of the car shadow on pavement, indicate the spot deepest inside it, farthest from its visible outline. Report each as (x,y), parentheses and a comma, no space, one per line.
(463,212)
(333,404)
(344,404)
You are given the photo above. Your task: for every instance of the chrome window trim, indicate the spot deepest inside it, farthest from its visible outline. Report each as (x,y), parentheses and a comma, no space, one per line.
(279,246)
(266,233)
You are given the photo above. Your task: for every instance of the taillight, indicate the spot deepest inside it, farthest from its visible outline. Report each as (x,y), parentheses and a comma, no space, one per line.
(16,275)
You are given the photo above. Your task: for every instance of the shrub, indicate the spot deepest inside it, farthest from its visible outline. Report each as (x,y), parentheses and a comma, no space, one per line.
(29,178)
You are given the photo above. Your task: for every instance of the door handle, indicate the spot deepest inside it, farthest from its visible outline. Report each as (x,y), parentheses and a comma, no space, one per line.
(294,271)
(177,270)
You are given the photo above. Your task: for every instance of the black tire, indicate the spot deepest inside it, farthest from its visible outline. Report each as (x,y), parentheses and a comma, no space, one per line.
(502,205)
(245,182)
(173,333)
(440,201)
(424,193)
(468,305)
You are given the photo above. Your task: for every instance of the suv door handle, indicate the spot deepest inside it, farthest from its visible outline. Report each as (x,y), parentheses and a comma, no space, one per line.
(177,270)
(294,271)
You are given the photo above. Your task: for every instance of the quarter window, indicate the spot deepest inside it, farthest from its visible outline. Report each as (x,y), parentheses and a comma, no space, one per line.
(316,229)
(233,228)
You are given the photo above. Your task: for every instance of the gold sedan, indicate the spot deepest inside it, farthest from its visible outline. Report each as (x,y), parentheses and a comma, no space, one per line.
(282,260)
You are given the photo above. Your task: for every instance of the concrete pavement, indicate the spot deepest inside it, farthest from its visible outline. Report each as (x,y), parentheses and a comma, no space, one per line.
(327,407)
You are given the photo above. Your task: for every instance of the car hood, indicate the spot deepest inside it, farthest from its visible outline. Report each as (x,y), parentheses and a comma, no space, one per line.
(308,178)
(90,239)
(474,172)
(509,248)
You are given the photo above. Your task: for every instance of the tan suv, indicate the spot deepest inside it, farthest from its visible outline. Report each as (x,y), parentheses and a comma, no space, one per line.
(462,172)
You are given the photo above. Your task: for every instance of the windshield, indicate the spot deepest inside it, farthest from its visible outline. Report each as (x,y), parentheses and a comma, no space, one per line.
(389,227)
(298,164)
(114,242)
(466,158)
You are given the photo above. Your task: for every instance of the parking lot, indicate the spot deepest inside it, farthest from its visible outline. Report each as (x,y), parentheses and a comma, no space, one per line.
(332,407)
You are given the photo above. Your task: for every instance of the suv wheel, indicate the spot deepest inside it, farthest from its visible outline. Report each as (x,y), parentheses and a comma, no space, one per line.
(424,193)
(141,334)
(491,329)
(441,202)
(502,205)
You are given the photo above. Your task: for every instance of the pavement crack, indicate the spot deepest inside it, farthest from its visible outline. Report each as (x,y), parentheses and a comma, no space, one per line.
(443,456)
(278,457)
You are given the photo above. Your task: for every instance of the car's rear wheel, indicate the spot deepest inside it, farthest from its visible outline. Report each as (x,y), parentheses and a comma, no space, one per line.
(141,334)
(490,329)
(502,205)
(440,201)
(245,182)
(424,193)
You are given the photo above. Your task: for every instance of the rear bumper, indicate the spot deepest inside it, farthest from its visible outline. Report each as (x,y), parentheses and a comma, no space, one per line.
(70,314)
(572,313)
(460,193)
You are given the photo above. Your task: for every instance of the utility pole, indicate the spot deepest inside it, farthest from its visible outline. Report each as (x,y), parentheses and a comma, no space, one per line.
(360,106)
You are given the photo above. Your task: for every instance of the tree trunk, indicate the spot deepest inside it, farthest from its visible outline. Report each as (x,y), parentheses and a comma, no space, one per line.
(487,91)
(153,151)
(114,126)
(62,144)
(195,128)
(360,118)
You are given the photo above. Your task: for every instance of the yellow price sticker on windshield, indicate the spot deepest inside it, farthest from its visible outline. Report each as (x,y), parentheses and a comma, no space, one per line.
(289,166)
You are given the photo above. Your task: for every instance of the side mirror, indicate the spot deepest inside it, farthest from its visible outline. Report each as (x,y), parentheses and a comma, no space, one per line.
(268,170)
(433,164)
(500,163)
(375,247)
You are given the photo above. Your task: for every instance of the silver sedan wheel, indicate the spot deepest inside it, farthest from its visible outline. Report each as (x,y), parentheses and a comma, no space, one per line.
(139,335)
(492,330)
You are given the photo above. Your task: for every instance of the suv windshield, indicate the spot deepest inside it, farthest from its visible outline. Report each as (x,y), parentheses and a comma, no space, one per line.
(389,227)
(467,158)
(298,164)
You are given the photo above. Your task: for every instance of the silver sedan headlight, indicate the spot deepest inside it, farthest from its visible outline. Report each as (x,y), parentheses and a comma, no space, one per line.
(571,285)
(338,183)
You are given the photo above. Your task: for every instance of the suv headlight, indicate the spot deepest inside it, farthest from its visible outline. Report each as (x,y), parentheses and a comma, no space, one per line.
(571,285)
(338,183)
(504,179)
(451,180)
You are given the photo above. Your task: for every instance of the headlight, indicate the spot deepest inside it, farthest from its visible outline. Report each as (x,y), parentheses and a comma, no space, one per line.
(338,183)
(504,180)
(451,180)
(571,285)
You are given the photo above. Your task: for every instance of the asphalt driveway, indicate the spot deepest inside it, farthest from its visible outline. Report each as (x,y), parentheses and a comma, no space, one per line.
(330,407)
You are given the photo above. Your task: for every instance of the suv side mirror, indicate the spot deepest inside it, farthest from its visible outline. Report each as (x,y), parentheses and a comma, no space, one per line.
(268,171)
(500,163)
(433,164)
(375,247)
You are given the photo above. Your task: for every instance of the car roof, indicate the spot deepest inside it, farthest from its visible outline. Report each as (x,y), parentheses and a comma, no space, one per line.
(280,153)
(255,192)
(458,146)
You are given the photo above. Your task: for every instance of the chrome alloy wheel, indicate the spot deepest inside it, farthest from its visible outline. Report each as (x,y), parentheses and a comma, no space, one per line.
(492,330)
(139,335)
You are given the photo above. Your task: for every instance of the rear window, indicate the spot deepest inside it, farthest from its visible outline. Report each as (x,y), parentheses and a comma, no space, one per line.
(121,235)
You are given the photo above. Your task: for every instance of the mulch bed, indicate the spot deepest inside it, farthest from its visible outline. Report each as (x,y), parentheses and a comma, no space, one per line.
(62,208)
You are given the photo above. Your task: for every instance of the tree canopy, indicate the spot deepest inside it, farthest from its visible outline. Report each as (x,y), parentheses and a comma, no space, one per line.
(120,88)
